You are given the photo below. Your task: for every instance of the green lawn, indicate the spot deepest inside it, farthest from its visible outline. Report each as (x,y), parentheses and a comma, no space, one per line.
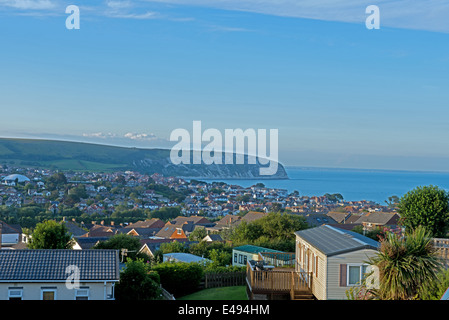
(223,293)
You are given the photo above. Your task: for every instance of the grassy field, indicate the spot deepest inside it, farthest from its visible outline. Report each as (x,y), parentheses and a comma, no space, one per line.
(223,293)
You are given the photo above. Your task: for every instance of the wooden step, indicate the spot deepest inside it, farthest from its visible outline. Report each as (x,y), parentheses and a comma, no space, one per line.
(303,297)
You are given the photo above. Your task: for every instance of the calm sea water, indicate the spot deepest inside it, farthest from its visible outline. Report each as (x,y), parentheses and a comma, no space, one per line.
(353,184)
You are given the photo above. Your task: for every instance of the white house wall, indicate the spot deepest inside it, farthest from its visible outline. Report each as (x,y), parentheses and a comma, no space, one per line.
(32,291)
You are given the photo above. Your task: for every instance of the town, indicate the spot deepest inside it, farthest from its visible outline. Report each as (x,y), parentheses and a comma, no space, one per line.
(96,196)
(271,243)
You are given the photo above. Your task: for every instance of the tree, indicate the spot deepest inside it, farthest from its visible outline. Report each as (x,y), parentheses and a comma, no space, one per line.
(179,278)
(335,197)
(406,263)
(51,235)
(427,206)
(137,282)
(56,180)
(119,242)
(276,231)
(392,201)
(198,234)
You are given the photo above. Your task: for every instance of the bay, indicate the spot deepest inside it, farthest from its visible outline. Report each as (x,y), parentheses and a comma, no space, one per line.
(352,184)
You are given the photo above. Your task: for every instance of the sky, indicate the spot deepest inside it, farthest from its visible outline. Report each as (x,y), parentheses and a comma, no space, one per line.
(339,94)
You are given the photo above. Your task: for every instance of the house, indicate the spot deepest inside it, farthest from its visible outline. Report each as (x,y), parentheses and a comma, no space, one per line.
(252,216)
(181,227)
(379,219)
(170,231)
(101,231)
(73,228)
(317,219)
(144,229)
(336,259)
(150,246)
(83,243)
(10,235)
(227,222)
(213,238)
(45,274)
(196,220)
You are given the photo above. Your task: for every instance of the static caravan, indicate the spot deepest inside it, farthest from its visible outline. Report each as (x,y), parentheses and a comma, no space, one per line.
(337,259)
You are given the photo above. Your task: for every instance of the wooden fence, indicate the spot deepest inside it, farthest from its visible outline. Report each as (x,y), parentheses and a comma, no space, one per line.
(225,279)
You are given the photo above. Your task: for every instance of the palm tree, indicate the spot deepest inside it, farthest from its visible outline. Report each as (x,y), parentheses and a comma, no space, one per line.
(405,263)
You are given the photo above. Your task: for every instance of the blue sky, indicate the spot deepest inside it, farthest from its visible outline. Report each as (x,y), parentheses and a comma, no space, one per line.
(339,94)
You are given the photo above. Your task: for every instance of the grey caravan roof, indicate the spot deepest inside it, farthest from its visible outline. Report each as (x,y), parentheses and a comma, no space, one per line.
(333,241)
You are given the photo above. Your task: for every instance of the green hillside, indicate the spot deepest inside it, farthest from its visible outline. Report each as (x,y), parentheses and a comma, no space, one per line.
(66,155)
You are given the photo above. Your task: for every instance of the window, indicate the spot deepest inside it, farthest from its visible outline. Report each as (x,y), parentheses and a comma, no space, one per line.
(82,294)
(48,293)
(356,273)
(15,293)
(235,257)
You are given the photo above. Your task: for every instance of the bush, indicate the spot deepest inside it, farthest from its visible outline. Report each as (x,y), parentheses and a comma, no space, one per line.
(137,282)
(179,278)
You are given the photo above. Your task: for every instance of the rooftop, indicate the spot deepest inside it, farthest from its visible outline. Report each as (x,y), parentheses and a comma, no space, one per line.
(333,241)
(51,264)
(254,249)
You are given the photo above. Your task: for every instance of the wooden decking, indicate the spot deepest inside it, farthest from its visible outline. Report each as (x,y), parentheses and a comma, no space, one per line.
(287,282)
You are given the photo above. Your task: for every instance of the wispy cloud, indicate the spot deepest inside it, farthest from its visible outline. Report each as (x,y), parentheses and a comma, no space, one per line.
(428,15)
(228,29)
(99,135)
(140,136)
(28,4)
(126,9)
(129,139)
(139,16)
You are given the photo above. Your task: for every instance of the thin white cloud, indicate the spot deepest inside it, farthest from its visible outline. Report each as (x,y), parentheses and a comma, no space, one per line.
(100,135)
(140,136)
(139,16)
(114,4)
(428,15)
(129,135)
(28,4)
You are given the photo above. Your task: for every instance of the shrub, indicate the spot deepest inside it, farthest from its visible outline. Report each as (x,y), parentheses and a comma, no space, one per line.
(137,282)
(179,278)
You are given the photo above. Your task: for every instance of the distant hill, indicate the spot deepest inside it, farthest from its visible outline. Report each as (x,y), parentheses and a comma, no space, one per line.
(65,155)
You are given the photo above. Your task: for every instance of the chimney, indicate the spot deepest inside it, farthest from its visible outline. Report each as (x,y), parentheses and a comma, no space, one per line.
(1,226)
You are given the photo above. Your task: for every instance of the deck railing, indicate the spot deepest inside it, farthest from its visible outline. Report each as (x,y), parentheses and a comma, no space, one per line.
(275,281)
(442,247)
(278,259)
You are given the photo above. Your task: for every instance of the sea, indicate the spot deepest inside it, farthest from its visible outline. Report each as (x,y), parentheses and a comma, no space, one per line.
(352,184)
